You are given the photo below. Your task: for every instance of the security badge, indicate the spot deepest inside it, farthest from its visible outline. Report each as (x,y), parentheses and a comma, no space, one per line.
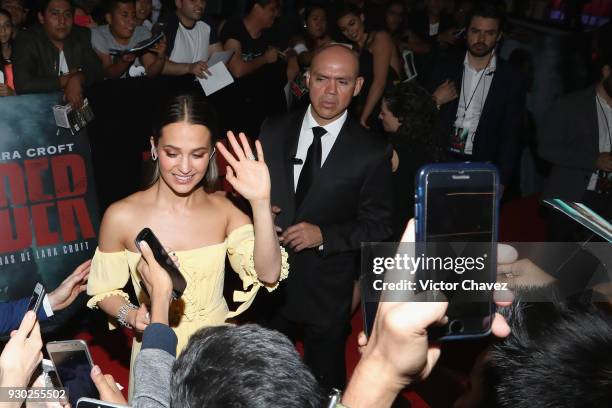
(458,139)
(604,182)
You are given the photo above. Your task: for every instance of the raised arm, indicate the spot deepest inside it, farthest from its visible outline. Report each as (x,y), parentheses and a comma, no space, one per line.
(249,175)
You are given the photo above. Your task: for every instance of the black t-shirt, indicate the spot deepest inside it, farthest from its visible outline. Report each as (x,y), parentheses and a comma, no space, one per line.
(259,84)
(251,47)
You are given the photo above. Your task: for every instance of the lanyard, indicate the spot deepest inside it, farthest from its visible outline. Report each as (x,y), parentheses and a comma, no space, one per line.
(469,102)
(605,119)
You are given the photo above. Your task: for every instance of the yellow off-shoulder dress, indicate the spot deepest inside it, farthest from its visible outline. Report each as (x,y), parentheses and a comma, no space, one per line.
(202,303)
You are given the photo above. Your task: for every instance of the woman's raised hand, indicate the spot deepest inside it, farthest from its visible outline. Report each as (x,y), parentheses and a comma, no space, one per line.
(247,173)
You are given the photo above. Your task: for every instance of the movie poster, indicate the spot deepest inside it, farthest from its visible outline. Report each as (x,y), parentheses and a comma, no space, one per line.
(48,206)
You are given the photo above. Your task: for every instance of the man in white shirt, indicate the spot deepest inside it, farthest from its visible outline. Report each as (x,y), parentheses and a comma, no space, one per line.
(483,124)
(331,180)
(191,41)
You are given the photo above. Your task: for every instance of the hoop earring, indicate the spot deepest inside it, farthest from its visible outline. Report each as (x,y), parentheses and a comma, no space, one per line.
(153,153)
(212,154)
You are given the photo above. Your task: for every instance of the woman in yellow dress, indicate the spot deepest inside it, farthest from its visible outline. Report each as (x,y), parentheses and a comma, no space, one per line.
(201,227)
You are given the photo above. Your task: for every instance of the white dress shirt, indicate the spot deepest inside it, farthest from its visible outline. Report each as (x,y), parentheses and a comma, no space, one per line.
(604,121)
(475,86)
(305,140)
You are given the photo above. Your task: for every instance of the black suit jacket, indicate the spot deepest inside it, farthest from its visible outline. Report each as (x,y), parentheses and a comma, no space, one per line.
(351,201)
(569,139)
(497,134)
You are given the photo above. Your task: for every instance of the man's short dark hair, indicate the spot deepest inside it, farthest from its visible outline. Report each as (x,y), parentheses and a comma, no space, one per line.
(486,9)
(44,4)
(21,2)
(242,366)
(557,355)
(605,58)
(111,5)
(249,4)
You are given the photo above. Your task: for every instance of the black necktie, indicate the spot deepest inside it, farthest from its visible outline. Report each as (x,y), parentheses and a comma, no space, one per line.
(311,167)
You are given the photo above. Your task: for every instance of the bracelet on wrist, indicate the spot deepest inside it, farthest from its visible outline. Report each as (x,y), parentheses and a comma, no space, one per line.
(122,315)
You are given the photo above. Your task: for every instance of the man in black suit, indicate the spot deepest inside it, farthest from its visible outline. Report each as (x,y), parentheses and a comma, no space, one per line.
(484,123)
(576,137)
(331,180)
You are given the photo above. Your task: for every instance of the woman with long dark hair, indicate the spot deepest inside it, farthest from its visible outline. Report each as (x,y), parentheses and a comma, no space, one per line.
(199,225)
(7,88)
(379,61)
(408,113)
(314,36)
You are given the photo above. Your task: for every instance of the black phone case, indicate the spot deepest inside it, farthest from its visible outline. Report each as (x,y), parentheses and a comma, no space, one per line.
(37,300)
(161,256)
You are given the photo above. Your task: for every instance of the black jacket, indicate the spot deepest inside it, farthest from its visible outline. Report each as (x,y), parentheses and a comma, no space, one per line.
(569,139)
(500,124)
(350,201)
(36,59)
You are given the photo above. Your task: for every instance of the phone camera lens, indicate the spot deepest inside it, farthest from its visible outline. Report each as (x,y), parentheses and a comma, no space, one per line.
(456,327)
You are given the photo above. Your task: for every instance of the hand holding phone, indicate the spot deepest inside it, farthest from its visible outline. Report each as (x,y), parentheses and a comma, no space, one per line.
(155,280)
(457,206)
(109,390)
(73,365)
(37,298)
(164,260)
(22,354)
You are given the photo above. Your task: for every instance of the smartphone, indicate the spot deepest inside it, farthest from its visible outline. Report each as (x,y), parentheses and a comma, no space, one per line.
(456,216)
(73,366)
(161,256)
(94,403)
(37,298)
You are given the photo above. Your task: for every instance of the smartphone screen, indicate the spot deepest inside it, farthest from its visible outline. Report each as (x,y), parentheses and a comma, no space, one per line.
(459,220)
(460,207)
(73,369)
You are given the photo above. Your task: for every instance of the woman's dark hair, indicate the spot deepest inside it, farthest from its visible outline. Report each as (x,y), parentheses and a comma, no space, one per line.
(416,111)
(191,108)
(309,9)
(345,9)
(5,13)
(310,42)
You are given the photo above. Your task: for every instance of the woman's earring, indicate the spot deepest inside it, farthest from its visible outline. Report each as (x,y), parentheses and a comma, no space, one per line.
(212,154)
(153,153)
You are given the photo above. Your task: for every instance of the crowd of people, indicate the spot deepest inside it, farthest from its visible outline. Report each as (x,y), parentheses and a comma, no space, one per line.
(319,139)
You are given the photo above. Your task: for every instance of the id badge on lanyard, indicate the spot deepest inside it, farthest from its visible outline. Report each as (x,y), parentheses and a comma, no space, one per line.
(604,182)
(458,139)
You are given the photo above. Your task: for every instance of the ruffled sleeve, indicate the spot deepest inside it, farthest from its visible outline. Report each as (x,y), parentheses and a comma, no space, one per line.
(240,248)
(108,275)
